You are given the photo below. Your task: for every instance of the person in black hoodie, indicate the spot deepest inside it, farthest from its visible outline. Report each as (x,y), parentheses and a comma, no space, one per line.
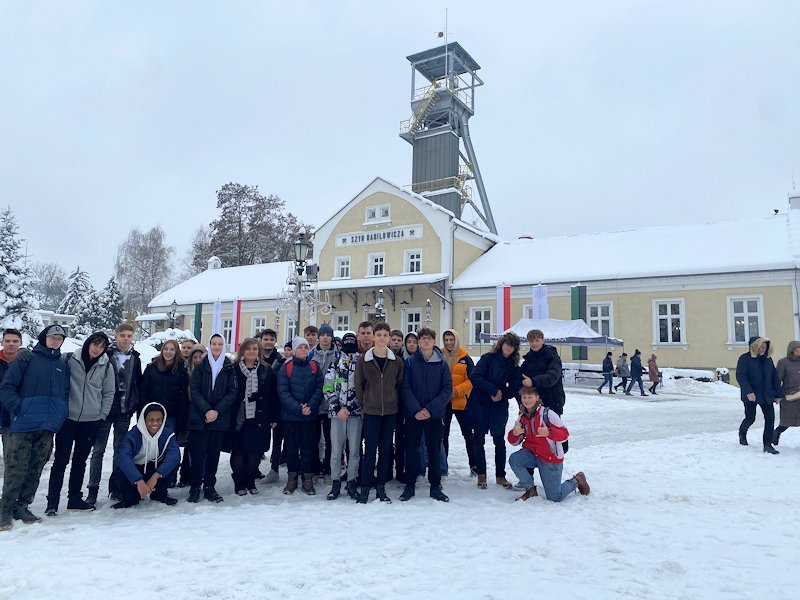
(254,415)
(213,396)
(760,386)
(166,382)
(636,373)
(272,358)
(541,368)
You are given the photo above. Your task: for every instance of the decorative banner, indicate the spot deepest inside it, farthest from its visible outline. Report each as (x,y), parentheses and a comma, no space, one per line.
(541,309)
(578,306)
(198,321)
(503,307)
(216,318)
(237,313)
(395,234)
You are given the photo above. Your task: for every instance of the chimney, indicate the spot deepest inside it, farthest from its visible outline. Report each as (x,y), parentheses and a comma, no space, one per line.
(214,263)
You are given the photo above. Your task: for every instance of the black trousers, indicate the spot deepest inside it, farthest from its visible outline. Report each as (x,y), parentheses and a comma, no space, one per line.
(323,465)
(301,441)
(277,446)
(205,447)
(432,430)
(466,432)
(768,410)
(75,438)
(377,431)
(399,449)
(126,491)
(244,469)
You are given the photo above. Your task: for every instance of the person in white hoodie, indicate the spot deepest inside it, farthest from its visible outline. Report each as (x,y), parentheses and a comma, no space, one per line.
(148,456)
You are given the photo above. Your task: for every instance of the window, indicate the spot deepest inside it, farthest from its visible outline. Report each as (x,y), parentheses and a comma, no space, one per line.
(527,311)
(601,318)
(291,329)
(375,263)
(481,323)
(668,321)
(342,268)
(342,321)
(227,331)
(745,318)
(378,214)
(259,324)
(413,261)
(412,320)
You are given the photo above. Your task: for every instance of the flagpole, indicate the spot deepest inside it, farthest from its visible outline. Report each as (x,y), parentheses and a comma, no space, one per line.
(446,55)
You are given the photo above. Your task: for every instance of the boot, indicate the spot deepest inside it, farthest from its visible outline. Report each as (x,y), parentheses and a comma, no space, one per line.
(78,504)
(291,484)
(91,497)
(211,494)
(776,436)
(336,487)
(600,390)
(194,494)
(583,485)
(530,493)
(381,490)
(52,507)
(308,484)
(5,520)
(438,494)
(408,493)
(363,496)
(165,499)
(21,513)
(612,392)
(482,482)
(743,438)
(504,482)
(628,394)
(770,450)
(272,477)
(352,489)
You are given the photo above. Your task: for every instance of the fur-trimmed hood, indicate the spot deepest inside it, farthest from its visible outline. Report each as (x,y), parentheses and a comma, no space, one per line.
(755,344)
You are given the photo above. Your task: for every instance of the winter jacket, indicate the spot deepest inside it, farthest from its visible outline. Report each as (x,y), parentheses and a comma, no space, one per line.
(303,387)
(548,449)
(253,434)
(170,389)
(340,383)
(461,366)
(274,360)
(221,398)
(622,367)
(757,374)
(36,392)
(91,394)
(545,370)
(494,372)
(789,371)
(608,365)
(324,358)
(636,366)
(426,384)
(5,416)
(378,391)
(169,456)
(129,379)
(652,370)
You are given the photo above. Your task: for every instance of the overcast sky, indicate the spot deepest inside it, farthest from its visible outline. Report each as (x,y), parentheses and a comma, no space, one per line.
(594,116)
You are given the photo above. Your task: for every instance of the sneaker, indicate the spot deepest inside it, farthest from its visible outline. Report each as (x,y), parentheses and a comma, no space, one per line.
(336,487)
(272,477)
(290,487)
(253,491)
(381,490)
(482,482)
(438,494)
(408,493)
(308,487)
(352,489)
(211,495)
(6,521)
(165,499)
(530,493)
(583,485)
(770,450)
(504,482)
(194,494)
(52,507)
(79,504)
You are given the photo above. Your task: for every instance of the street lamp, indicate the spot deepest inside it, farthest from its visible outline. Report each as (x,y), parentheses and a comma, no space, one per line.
(173,314)
(428,319)
(380,314)
(300,255)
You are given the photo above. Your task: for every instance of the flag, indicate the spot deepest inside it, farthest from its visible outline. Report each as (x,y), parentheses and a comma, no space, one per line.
(237,313)
(503,308)
(216,318)
(198,321)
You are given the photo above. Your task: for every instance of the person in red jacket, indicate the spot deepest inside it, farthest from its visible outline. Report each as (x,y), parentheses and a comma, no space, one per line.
(541,433)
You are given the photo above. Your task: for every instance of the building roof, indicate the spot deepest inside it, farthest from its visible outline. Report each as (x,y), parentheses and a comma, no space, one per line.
(698,248)
(430,63)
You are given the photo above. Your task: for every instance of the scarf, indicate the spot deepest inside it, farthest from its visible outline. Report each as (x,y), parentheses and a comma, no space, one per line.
(216,366)
(250,389)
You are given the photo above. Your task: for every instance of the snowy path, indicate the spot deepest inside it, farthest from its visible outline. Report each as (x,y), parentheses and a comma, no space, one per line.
(678,510)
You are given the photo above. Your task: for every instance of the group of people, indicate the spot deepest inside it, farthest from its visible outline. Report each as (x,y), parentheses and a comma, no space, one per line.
(382,402)
(634,371)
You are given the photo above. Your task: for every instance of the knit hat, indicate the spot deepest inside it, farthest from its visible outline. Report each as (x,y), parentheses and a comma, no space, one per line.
(325,329)
(297,342)
(349,343)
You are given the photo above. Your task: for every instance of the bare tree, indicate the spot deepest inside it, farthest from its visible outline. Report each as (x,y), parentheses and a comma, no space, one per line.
(199,252)
(49,284)
(143,266)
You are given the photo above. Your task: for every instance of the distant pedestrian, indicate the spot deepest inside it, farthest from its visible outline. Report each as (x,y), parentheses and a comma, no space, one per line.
(789,375)
(759,385)
(652,372)
(623,371)
(636,373)
(608,374)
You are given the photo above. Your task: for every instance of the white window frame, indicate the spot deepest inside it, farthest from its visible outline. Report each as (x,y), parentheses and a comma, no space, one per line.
(407,261)
(599,318)
(681,302)
(337,266)
(407,324)
(291,329)
(379,217)
(345,315)
(258,324)
(473,338)
(527,311)
(372,261)
(227,332)
(729,300)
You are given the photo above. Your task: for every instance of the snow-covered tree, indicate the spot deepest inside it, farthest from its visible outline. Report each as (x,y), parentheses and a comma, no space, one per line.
(78,288)
(110,305)
(18,303)
(88,316)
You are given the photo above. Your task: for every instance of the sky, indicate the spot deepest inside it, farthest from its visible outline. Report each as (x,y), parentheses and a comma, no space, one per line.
(593,117)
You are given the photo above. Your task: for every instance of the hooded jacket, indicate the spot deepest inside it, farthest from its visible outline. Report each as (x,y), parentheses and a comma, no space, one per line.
(461,366)
(36,392)
(789,370)
(340,381)
(426,384)
(324,358)
(757,374)
(140,448)
(378,391)
(91,393)
(494,372)
(545,370)
(303,387)
(623,370)
(548,449)
(204,397)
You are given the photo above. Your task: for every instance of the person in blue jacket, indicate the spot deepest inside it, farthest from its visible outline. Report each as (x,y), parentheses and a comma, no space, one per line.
(636,373)
(148,456)
(36,394)
(760,386)
(300,392)
(426,389)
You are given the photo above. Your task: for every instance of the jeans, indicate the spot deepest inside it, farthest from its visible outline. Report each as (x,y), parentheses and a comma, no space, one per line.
(301,441)
(120,425)
(497,426)
(768,410)
(608,378)
(278,449)
(323,463)
(554,489)
(348,430)
(205,447)
(635,379)
(76,438)
(432,430)
(27,454)
(466,432)
(377,438)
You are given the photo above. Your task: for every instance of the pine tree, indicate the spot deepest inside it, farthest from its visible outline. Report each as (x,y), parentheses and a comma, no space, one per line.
(89,315)
(110,305)
(18,303)
(78,288)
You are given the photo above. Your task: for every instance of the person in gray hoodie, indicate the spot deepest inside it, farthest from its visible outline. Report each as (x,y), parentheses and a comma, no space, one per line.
(789,375)
(91,393)
(324,354)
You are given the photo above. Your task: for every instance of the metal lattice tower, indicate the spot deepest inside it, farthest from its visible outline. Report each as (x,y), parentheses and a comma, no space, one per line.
(440,112)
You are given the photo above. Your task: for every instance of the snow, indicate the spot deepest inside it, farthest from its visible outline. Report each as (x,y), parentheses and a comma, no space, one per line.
(381,282)
(160,337)
(726,245)
(162,316)
(678,509)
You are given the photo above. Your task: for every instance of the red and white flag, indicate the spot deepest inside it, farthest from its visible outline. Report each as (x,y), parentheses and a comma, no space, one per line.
(503,308)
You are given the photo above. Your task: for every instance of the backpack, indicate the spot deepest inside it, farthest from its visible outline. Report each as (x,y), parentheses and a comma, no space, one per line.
(290,365)
(564,444)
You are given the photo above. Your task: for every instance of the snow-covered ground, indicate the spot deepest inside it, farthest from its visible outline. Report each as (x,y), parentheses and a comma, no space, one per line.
(678,510)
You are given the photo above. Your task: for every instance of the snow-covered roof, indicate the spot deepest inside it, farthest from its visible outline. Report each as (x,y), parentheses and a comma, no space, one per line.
(251,282)
(698,248)
(381,282)
(162,316)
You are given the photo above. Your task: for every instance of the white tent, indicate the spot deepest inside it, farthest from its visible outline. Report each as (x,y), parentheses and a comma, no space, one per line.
(560,333)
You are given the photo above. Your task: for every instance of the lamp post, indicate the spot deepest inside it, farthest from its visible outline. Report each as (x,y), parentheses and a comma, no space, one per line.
(173,314)
(300,255)
(380,314)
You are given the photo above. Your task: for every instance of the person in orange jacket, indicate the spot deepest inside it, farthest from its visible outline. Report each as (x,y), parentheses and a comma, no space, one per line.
(461,366)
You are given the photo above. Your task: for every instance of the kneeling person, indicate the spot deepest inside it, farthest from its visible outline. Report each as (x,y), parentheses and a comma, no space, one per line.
(148,456)
(541,433)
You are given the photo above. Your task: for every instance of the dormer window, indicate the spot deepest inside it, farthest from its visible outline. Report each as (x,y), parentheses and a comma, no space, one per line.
(378,214)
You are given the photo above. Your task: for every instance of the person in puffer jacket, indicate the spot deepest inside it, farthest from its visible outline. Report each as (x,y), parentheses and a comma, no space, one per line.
(541,432)
(461,366)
